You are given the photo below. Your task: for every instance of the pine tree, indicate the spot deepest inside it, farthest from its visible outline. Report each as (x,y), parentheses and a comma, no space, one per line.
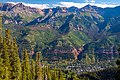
(60,75)
(15,61)
(38,69)
(93,57)
(48,72)
(1,60)
(0,32)
(33,69)
(88,60)
(45,74)
(3,68)
(26,74)
(0,24)
(55,76)
(5,55)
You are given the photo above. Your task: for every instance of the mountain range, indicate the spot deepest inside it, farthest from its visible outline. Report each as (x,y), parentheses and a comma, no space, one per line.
(63,32)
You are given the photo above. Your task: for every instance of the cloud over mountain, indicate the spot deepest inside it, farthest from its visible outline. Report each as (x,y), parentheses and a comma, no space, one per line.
(41,6)
(67,4)
(90,1)
(80,5)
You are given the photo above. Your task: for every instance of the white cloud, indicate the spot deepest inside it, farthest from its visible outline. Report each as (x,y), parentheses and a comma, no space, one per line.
(68,4)
(80,5)
(104,5)
(41,6)
(90,1)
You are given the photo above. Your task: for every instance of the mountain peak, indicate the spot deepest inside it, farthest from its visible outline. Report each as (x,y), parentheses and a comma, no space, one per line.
(20,5)
(88,6)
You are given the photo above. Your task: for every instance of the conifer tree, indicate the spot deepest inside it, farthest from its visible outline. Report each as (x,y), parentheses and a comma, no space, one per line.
(0,24)
(1,60)
(26,74)
(48,73)
(55,76)
(5,55)
(33,69)
(45,74)
(88,60)
(15,61)
(3,68)
(38,69)
(1,33)
(60,75)
(93,57)
(1,39)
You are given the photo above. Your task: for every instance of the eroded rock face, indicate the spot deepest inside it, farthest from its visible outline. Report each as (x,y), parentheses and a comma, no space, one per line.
(76,52)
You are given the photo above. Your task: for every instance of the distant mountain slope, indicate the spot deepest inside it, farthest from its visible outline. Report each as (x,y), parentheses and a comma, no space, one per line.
(25,12)
(63,29)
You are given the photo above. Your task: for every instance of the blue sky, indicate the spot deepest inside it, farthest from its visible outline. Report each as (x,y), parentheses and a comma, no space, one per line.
(65,3)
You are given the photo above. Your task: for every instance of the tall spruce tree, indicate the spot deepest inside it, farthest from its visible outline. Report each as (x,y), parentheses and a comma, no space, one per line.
(93,57)
(15,64)
(6,54)
(26,74)
(45,77)
(55,75)
(38,69)
(1,69)
(33,69)
(48,72)
(60,75)
(1,38)
(44,72)
(0,24)
(88,60)
(1,48)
